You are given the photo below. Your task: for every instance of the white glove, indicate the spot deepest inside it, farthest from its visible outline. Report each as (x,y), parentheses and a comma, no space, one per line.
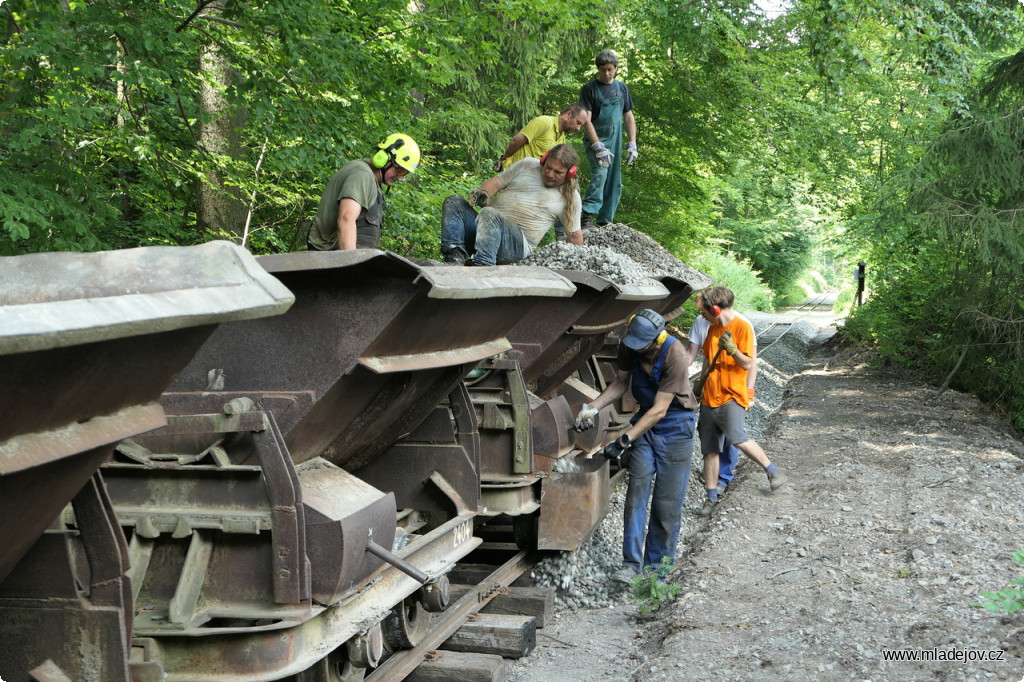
(496,166)
(478,197)
(585,419)
(604,157)
(631,153)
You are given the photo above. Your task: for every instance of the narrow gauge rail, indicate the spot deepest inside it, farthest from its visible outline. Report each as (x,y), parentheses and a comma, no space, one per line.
(284,495)
(779,327)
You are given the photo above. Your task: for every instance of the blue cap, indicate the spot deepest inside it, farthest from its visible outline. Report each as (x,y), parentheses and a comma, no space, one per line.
(643,329)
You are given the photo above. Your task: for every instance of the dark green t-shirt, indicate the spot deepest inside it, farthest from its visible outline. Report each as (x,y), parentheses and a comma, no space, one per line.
(354,181)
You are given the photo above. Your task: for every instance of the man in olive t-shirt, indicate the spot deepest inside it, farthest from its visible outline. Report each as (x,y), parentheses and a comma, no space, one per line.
(352,206)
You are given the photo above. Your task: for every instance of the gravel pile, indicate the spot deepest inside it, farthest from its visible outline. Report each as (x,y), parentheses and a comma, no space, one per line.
(582,577)
(619,253)
(658,261)
(596,259)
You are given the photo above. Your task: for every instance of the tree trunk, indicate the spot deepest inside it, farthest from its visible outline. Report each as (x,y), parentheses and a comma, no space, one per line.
(221,208)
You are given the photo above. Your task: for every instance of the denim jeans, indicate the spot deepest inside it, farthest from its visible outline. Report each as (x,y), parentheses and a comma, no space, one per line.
(660,457)
(727,459)
(493,238)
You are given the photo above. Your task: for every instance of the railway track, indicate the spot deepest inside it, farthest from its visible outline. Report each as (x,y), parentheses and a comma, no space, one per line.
(504,564)
(777,328)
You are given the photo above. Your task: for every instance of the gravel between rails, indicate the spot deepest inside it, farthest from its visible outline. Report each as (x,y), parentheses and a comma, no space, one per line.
(903,507)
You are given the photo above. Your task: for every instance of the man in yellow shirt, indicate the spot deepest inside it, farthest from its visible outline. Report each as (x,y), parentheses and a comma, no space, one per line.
(541,134)
(726,396)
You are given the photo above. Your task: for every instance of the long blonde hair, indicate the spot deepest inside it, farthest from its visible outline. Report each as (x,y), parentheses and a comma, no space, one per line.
(570,159)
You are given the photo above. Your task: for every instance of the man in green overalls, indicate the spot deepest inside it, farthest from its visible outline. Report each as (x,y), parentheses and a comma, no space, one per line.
(610,106)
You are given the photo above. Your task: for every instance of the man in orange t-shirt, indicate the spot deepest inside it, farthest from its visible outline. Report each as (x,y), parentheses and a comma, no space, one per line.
(726,398)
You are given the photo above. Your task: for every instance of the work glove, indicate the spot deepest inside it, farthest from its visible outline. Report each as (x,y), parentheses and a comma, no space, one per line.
(604,157)
(631,153)
(585,419)
(478,197)
(496,166)
(727,344)
(618,446)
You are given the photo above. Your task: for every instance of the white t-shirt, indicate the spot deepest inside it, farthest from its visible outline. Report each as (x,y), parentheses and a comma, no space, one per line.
(530,204)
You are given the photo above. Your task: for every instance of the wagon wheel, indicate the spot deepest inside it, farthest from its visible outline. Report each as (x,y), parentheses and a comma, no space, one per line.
(335,667)
(407,624)
(436,595)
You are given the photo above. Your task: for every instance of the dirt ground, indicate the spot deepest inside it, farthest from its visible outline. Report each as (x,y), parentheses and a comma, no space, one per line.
(902,507)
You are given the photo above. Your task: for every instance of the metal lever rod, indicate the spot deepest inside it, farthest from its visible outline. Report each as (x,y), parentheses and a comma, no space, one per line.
(402,565)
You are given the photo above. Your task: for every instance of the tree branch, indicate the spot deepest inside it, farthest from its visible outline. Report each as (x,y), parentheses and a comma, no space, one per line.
(252,197)
(203,4)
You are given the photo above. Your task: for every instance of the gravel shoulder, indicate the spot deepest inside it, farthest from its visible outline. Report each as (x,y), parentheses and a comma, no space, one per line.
(903,506)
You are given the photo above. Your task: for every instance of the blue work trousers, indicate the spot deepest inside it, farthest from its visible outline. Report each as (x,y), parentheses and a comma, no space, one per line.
(491,238)
(659,458)
(727,459)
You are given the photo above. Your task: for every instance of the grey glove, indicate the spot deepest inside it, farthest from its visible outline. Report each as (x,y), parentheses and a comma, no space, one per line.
(478,197)
(604,157)
(631,153)
(496,166)
(618,446)
(585,419)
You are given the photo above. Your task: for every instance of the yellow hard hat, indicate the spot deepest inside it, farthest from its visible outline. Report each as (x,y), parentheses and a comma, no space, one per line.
(399,149)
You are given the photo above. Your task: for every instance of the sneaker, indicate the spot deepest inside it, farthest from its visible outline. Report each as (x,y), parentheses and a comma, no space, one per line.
(721,488)
(709,506)
(777,479)
(625,575)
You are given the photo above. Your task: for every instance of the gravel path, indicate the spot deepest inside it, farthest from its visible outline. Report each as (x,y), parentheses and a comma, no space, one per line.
(903,507)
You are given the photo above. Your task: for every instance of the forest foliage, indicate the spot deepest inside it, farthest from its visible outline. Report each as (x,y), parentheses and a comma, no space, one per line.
(776,140)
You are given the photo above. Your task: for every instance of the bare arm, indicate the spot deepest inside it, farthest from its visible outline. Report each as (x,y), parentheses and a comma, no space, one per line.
(662,401)
(630,122)
(752,371)
(492,186)
(744,361)
(691,353)
(514,145)
(348,211)
(575,237)
(590,133)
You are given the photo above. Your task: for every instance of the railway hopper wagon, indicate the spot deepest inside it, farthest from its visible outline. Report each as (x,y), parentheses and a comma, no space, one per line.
(534,467)
(310,477)
(320,470)
(87,344)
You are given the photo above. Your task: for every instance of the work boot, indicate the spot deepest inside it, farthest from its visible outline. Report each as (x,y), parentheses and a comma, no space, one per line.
(709,507)
(586,220)
(776,479)
(625,575)
(456,255)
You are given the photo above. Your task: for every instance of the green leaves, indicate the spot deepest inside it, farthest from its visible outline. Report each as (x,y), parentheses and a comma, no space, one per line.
(1007,600)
